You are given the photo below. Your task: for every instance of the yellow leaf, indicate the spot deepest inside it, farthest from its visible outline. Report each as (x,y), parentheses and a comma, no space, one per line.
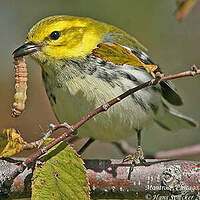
(119,55)
(10,142)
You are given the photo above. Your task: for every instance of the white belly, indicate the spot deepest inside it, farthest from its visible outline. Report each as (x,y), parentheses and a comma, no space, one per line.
(79,96)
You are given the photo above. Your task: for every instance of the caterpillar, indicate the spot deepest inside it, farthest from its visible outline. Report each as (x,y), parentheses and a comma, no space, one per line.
(20,86)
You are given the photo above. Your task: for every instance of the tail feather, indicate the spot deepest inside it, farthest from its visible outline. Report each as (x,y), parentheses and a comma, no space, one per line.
(172,120)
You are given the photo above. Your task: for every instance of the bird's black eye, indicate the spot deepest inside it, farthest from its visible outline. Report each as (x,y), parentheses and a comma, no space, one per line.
(55,35)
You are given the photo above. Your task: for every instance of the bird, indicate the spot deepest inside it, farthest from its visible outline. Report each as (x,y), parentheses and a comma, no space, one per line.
(85,63)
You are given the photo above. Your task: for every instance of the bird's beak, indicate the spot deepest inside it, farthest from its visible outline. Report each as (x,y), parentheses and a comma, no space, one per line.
(26,49)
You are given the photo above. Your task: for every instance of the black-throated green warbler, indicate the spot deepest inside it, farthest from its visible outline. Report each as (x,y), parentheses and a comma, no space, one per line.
(85,63)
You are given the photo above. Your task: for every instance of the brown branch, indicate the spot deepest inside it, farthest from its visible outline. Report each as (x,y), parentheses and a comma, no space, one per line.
(102,108)
(125,148)
(108,179)
(177,153)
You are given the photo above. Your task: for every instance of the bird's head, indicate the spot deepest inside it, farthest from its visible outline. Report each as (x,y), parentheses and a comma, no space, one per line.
(62,37)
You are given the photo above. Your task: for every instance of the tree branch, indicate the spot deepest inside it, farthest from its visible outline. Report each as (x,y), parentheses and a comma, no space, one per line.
(124,148)
(174,153)
(109,179)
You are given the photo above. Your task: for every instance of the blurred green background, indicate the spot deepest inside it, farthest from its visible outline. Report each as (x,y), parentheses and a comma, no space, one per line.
(175,46)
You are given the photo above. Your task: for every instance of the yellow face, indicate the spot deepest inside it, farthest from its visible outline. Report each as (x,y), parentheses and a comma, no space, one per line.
(66,36)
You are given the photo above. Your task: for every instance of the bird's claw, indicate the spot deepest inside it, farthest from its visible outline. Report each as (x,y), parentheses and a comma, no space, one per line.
(137,157)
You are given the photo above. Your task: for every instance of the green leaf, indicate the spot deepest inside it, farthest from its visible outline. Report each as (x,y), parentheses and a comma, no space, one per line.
(61,176)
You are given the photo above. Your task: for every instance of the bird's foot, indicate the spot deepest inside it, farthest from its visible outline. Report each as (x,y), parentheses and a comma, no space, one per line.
(137,157)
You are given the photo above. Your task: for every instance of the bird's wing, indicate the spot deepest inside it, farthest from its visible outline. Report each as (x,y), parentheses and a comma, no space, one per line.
(120,55)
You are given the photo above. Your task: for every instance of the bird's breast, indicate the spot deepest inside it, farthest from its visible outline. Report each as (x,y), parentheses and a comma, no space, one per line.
(72,98)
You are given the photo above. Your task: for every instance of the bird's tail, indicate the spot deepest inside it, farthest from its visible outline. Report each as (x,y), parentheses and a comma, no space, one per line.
(171,120)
